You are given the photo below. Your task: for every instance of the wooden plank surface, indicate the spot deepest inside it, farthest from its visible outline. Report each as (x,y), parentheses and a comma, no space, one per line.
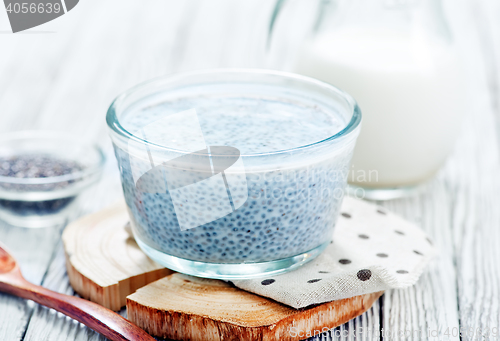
(65,78)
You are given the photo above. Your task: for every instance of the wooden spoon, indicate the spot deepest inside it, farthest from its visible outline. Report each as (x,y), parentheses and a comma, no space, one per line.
(94,316)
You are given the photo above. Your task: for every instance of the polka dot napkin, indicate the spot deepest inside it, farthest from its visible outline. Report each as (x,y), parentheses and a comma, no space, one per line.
(372,250)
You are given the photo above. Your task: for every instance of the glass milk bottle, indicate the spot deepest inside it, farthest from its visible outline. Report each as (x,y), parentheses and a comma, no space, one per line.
(396,58)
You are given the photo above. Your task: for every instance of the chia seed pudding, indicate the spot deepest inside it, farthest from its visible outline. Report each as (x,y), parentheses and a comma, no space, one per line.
(293,146)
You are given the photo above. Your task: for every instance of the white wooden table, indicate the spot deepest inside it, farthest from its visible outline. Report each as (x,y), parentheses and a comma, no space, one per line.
(63,76)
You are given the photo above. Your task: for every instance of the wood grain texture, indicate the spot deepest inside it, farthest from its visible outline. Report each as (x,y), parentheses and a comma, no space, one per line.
(476,218)
(35,254)
(110,264)
(65,80)
(182,307)
(93,315)
(459,297)
(431,304)
(47,325)
(103,261)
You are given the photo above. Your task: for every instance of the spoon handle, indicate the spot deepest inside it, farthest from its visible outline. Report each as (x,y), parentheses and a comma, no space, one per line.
(94,316)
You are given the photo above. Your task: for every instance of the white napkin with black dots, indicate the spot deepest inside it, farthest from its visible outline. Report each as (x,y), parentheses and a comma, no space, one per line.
(372,250)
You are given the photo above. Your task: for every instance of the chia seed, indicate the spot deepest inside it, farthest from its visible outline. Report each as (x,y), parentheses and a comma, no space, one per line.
(286,213)
(33,167)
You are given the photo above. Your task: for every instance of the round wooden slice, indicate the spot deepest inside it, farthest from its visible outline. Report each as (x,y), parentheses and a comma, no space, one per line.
(105,265)
(182,307)
(103,261)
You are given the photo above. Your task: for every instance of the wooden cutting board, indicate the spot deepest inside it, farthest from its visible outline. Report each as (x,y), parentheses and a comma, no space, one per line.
(106,266)
(181,307)
(103,261)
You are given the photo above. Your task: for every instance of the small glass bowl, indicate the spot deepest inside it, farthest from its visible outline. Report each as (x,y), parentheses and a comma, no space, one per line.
(271,215)
(45,201)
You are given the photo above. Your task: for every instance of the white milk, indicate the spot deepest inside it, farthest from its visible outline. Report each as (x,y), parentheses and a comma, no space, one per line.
(411,97)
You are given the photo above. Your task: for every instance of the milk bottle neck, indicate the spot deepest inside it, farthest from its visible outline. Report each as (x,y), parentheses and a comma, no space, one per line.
(417,19)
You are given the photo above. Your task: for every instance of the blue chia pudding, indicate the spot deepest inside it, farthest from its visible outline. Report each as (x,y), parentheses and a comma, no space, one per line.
(284,196)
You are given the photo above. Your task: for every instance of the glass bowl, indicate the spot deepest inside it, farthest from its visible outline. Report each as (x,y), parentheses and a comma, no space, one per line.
(233,174)
(42,174)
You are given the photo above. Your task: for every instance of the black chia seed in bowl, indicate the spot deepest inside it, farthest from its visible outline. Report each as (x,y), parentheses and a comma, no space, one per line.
(41,176)
(294,138)
(33,167)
